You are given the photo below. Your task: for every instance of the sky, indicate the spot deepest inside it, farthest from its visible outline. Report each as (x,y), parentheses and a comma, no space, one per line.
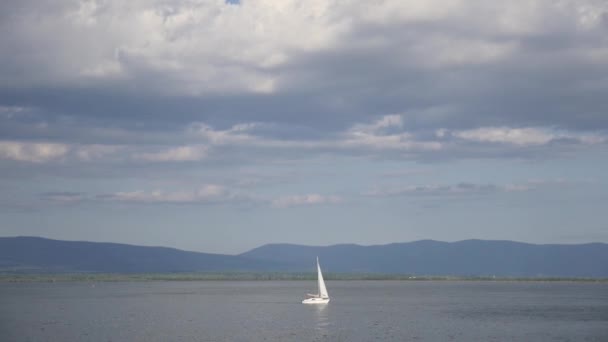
(220,126)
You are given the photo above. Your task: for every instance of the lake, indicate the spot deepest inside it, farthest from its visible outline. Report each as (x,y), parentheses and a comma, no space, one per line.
(271,311)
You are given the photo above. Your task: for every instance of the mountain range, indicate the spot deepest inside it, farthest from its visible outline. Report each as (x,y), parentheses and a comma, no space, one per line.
(425,257)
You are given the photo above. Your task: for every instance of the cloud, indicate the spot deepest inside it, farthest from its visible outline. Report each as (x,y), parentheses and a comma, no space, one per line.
(63,196)
(177,154)
(195,47)
(460,189)
(470,189)
(385,133)
(159,82)
(207,194)
(235,135)
(404,173)
(516,136)
(304,200)
(386,136)
(32,152)
(96,151)
(521,136)
(384,123)
(81,153)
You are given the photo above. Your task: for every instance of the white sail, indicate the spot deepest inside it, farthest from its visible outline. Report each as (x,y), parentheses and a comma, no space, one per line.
(322,297)
(322,289)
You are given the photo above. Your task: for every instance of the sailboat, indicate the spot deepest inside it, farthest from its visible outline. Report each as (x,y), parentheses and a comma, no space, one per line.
(323,296)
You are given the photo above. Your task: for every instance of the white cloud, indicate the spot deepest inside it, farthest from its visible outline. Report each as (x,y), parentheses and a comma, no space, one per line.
(385,133)
(196,47)
(515,136)
(96,151)
(460,189)
(210,193)
(32,152)
(522,136)
(48,152)
(472,189)
(591,139)
(177,154)
(406,11)
(304,200)
(386,122)
(403,142)
(236,135)
(214,46)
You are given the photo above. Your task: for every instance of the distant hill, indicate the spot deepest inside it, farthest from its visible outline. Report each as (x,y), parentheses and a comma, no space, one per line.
(463,258)
(33,254)
(427,257)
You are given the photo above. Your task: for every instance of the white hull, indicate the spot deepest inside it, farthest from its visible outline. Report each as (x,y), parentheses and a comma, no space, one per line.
(315,301)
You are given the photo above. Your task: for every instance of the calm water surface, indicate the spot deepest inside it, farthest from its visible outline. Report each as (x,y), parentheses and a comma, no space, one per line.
(271,311)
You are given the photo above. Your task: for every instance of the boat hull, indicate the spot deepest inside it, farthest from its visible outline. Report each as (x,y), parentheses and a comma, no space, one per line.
(315,301)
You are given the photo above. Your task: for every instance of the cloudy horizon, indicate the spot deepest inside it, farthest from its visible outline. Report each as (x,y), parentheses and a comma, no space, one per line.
(219,126)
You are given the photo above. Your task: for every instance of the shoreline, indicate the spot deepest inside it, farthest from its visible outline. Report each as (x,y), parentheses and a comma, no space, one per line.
(263,276)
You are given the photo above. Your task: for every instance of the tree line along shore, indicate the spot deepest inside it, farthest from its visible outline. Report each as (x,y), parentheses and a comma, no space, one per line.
(259,276)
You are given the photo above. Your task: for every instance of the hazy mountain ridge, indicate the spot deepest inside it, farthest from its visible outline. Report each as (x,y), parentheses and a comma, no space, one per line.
(425,257)
(33,253)
(462,258)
